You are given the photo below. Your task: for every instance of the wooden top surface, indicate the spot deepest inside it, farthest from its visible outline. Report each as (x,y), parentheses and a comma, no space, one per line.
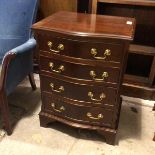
(88,25)
(131,2)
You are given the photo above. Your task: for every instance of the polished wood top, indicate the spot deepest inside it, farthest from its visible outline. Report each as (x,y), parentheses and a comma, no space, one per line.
(88,25)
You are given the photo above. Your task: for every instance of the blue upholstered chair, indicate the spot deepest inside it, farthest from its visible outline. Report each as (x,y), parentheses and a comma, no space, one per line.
(16,49)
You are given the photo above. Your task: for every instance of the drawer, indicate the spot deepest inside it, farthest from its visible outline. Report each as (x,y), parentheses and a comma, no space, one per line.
(110,52)
(80,71)
(85,114)
(85,94)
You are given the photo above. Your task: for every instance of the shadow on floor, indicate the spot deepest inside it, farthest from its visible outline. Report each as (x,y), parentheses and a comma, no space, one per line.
(23,102)
(76,132)
(130,121)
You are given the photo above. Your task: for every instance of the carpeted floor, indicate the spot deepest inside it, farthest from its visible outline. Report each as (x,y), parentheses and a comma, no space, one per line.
(136,130)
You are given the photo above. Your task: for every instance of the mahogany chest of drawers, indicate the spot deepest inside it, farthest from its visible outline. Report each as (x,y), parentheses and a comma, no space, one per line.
(82,59)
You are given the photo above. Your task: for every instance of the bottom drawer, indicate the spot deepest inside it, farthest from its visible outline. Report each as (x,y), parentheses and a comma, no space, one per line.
(82,114)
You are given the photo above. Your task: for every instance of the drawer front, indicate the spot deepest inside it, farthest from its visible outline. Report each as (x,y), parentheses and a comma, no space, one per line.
(78,49)
(85,114)
(80,71)
(85,94)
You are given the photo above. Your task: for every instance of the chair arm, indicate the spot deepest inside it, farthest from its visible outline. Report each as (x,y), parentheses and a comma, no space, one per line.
(16,64)
(28,46)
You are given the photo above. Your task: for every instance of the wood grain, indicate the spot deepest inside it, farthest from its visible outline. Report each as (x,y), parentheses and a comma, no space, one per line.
(130,2)
(78,24)
(48,7)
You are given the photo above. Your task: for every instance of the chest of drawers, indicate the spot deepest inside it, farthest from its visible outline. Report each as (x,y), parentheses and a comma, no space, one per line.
(82,60)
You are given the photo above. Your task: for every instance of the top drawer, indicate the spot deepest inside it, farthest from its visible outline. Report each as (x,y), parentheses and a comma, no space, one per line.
(81,49)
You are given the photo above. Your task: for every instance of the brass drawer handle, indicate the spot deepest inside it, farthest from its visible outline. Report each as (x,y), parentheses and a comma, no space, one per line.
(100,116)
(91,95)
(60,47)
(60,90)
(107,52)
(62,108)
(93,76)
(60,69)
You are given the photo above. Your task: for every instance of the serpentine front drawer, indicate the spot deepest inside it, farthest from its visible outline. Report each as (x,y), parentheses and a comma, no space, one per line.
(82,114)
(102,51)
(94,96)
(81,71)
